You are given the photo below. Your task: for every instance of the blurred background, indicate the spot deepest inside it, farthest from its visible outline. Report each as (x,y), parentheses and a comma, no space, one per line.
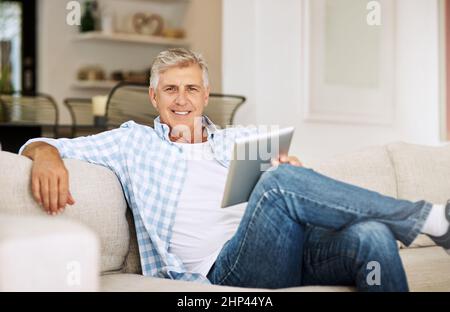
(346,73)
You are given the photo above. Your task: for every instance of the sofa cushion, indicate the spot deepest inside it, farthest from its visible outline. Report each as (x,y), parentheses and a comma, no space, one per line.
(139,283)
(427,268)
(370,168)
(422,172)
(132,261)
(99,202)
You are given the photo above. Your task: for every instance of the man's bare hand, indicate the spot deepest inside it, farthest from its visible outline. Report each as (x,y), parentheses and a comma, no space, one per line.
(285,159)
(49,178)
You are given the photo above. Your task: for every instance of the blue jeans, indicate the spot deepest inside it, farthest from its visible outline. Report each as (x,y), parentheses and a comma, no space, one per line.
(303,228)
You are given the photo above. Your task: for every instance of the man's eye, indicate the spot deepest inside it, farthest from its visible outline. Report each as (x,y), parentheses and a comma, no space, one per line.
(170,89)
(192,89)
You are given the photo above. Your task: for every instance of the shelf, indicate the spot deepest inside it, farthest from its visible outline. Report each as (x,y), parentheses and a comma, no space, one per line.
(131,38)
(94,84)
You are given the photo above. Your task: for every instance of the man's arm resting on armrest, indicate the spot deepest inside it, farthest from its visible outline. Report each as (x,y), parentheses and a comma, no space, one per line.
(49,177)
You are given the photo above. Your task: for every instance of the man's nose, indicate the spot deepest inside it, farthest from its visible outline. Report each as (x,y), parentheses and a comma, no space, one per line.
(181,98)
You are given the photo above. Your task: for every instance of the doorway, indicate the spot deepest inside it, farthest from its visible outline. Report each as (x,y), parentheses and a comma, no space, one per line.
(18,46)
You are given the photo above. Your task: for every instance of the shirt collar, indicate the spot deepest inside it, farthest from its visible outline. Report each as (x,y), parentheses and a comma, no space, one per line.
(163,130)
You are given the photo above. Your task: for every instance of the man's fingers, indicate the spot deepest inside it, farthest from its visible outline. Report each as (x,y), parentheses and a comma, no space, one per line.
(295,162)
(53,185)
(275,162)
(62,192)
(45,195)
(70,199)
(285,159)
(36,190)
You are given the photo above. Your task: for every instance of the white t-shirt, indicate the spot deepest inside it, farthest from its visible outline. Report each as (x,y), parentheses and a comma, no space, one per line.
(201,226)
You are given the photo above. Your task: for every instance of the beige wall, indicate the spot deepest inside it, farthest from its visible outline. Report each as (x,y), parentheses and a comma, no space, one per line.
(444,112)
(204,22)
(60,56)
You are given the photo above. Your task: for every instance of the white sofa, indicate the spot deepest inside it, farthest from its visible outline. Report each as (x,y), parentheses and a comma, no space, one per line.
(92,245)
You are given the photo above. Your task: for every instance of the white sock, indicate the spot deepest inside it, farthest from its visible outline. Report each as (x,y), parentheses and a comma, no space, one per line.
(436,224)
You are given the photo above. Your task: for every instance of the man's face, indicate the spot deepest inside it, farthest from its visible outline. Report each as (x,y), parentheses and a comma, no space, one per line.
(180,96)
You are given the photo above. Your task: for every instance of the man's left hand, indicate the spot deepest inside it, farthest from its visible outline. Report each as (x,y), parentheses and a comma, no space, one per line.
(285,159)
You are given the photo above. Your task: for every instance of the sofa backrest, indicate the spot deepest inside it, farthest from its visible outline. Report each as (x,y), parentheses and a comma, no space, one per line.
(422,172)
(369,167)
(402,170)
(99,202)
(132,261)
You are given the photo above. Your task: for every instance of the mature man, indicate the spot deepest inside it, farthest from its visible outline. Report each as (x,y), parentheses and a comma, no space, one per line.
(298,227)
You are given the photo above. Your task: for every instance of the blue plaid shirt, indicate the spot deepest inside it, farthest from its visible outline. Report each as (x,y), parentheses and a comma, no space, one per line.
(152,171)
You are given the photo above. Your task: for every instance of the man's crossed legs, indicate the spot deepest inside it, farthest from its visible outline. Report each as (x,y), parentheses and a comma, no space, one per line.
(303,228)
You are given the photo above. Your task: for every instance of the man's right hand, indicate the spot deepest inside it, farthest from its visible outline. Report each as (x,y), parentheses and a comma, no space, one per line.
(49,177)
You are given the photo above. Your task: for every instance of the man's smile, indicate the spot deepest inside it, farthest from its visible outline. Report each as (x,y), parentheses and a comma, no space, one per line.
(181,113)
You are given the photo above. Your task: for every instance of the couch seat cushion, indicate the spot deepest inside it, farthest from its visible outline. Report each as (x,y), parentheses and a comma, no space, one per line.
(427,268)
(137,283)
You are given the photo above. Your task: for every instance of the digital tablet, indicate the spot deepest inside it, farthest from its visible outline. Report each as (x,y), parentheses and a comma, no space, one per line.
(252,157)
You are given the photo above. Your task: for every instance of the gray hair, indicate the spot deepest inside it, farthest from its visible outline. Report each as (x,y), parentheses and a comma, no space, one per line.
(177,57)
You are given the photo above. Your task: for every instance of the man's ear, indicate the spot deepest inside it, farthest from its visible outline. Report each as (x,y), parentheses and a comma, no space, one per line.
(152,96)
(208,90)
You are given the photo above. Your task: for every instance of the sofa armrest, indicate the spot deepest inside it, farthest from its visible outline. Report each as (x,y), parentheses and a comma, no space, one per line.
(47,254)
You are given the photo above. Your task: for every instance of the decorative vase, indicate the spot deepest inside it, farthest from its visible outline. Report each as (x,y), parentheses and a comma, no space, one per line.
(88,20)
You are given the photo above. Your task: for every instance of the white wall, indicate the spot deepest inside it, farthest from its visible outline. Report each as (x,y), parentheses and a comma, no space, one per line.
(59,56)
(262,60)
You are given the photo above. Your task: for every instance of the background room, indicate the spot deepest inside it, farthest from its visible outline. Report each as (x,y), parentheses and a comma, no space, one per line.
(345,73)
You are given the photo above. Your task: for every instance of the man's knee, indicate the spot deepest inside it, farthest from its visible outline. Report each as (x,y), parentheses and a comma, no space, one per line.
(373,237)
(282,177)
(378,258)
